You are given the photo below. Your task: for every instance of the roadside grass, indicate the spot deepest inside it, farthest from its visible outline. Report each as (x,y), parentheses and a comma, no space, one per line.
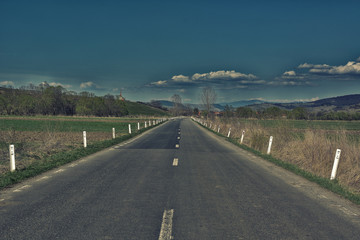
(61,158)
(332,185)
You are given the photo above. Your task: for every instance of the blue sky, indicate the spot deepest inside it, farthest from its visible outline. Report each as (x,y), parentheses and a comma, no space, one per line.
(271,50)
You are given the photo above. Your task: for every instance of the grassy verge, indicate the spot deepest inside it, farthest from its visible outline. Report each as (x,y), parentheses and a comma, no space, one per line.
(332,185)
(61,158)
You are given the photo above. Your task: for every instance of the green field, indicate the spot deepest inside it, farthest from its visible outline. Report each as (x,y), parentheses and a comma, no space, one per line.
(68,124)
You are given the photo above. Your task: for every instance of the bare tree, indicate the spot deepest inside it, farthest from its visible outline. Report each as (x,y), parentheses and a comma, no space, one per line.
(176,99)
(208,98)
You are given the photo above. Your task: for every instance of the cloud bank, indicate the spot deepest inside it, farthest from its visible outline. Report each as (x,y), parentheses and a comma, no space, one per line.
(310,74)
(222,79)
(7,83)
(90,86)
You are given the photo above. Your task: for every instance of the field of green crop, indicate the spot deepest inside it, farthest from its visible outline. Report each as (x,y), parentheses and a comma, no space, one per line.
(69,124)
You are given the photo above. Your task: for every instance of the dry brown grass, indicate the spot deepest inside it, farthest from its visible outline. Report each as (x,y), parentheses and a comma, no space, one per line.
(310,149)
(33,146)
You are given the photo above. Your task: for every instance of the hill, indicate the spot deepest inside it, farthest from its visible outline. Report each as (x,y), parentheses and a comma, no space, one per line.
(347,103)
(137,108)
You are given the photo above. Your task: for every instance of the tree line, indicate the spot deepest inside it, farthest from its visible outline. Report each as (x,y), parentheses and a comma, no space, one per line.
(56,100)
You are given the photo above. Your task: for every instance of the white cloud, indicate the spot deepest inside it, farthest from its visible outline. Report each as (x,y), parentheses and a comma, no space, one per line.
(7,83)
(307,65)
(90,85)
(180,78)
(291,82)
(221,79)
(222,75)
(289,73)
(54,84)
(350,68)
(159,83)
(87,85)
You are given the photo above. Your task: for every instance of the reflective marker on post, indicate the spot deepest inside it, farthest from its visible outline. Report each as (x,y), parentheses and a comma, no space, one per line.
(113,133)
(12,158)
(270,143)
(336,164)
(138,126)
(84,137)
(242,136)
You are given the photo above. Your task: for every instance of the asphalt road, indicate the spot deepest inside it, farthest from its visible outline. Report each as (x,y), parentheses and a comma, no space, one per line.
(134,191)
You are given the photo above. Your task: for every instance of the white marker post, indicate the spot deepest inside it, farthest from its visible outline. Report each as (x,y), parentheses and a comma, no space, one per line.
(138,126)
(129,128)
(145,124)
(270,143)
(218,129)
(113,133)
(154,122)
(242,136)
(210,125)
(12,158)
(336,164)
(229,133)
(84,137)
(149,123)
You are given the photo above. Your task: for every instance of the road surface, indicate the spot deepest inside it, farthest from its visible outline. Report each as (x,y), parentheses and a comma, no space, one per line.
(150,188)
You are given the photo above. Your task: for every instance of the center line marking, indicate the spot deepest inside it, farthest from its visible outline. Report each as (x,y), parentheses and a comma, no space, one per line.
(175,162)
(166,225)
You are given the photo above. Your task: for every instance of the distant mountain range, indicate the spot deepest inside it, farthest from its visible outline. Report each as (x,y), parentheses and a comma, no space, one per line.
(347,103)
